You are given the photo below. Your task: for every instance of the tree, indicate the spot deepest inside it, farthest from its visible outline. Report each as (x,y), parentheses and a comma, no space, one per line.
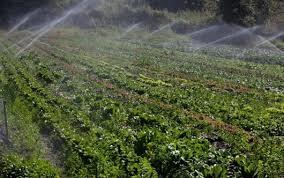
(243,12)
(269,9)
(249,12)
(13,9)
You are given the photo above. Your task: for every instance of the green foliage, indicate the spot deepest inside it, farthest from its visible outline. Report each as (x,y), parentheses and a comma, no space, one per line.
(269,10)
(249,12)
(15,166)
(133,110)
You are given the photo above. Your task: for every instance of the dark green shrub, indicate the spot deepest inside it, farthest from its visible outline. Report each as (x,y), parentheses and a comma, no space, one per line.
(249,12)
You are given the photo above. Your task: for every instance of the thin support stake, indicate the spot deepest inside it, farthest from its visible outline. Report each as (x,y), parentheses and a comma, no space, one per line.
(6,120)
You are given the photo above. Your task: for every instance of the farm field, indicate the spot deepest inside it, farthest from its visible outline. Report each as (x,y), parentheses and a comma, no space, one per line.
(101,103)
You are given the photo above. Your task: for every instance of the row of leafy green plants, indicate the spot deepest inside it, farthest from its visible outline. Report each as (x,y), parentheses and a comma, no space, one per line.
(21,156)
(130,137)
(229,69)
(106,70)
(53,118)
(239,109)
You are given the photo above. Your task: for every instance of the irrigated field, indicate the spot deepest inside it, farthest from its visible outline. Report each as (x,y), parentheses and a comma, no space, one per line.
(96,103)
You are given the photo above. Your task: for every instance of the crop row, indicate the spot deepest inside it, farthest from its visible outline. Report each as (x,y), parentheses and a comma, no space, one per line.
(103,66)
(236,109)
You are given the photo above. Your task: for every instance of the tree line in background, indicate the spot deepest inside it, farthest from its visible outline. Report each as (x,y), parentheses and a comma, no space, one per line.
(11,10)
(242,12)
(15,8)
(250,12)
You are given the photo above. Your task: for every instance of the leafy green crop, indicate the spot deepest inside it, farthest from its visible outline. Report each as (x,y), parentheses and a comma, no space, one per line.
(121,109)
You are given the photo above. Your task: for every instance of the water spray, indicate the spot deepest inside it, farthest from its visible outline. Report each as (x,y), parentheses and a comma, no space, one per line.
(268,43)
(17,26)
(78,8)
(22,22)
(271,38)
(23,40)
(240,32)
(203,30)
(162,28)
(130,29)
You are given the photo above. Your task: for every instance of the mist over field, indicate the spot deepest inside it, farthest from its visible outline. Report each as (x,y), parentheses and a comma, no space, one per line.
(141,88)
